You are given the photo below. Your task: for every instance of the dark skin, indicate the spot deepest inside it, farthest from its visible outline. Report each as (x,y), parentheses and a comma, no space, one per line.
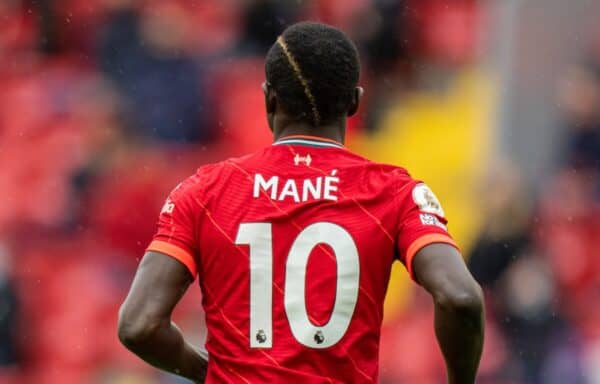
(459,309)
(145,325)
(282,125)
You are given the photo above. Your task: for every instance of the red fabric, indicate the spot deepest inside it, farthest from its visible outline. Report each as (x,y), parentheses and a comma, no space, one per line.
(374,206)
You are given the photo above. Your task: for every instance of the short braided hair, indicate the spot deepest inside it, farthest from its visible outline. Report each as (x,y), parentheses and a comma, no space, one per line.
(314,69)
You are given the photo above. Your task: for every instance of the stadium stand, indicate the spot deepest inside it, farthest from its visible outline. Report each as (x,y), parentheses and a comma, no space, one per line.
(83,173)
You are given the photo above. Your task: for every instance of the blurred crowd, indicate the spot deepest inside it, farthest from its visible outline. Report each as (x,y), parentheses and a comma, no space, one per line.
(106,105)
(538,255)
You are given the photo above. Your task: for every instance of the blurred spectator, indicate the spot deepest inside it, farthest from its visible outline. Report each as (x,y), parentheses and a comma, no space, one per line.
(381,29)
(8,313)
(568,233)
(263,21)
(145,53)
(579,97)
(532,321)
(518,281)
(18,38)
(570,209)
(506,230)
(48,25)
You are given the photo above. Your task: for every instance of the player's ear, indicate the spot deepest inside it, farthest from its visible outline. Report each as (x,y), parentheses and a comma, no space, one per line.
(358,92)
(270,103)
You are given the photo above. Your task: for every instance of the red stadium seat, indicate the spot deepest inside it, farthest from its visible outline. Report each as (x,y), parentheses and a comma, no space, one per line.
(240,105)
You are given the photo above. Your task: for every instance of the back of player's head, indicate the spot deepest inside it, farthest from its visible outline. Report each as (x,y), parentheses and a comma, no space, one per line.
(313,69)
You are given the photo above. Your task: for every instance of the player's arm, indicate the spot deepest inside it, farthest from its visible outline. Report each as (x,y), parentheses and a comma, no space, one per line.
(459,308)
(145,326)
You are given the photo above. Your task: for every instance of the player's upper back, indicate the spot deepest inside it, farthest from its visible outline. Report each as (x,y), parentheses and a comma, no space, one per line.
(293,246)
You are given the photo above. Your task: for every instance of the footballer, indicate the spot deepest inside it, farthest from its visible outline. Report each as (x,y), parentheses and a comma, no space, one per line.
(292,246)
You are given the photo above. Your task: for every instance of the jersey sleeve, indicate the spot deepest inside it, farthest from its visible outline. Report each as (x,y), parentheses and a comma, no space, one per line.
(175,235)
(422,222)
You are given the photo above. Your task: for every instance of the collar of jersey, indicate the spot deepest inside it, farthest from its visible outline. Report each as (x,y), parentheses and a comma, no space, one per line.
(311,141)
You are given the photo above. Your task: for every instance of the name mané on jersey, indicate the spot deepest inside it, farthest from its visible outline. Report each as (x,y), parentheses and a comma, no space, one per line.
(297,190)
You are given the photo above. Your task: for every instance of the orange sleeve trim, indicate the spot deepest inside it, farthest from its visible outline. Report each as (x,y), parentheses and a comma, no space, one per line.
(175,252)
(423,241)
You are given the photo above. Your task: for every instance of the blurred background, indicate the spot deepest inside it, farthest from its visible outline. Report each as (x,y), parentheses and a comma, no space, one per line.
(105,105)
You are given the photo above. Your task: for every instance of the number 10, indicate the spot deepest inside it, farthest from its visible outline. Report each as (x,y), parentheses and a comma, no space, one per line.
(259,237)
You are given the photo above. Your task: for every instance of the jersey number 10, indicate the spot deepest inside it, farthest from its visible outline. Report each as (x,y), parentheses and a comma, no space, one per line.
(259,237)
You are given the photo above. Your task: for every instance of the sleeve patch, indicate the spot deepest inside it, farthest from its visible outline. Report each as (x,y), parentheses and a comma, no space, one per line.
(428,219)
(426,200)
(168,207)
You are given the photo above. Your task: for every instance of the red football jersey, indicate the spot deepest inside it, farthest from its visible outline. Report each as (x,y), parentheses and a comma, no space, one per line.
(293,247)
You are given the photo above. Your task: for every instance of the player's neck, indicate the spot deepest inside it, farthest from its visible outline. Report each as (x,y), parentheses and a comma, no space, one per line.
(330,131)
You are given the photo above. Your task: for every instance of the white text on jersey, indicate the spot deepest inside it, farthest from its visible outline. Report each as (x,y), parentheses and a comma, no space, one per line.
(318,188)
(302,159)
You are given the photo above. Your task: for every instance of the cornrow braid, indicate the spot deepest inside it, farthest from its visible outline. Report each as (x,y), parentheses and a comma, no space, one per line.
(300,76)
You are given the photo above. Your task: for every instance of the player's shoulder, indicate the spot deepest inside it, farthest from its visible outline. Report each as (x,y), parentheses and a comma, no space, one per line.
(208,176)
(196,182)
(388,173)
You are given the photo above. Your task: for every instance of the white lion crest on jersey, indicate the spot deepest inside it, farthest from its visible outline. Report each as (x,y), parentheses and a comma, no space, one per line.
(426,200)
